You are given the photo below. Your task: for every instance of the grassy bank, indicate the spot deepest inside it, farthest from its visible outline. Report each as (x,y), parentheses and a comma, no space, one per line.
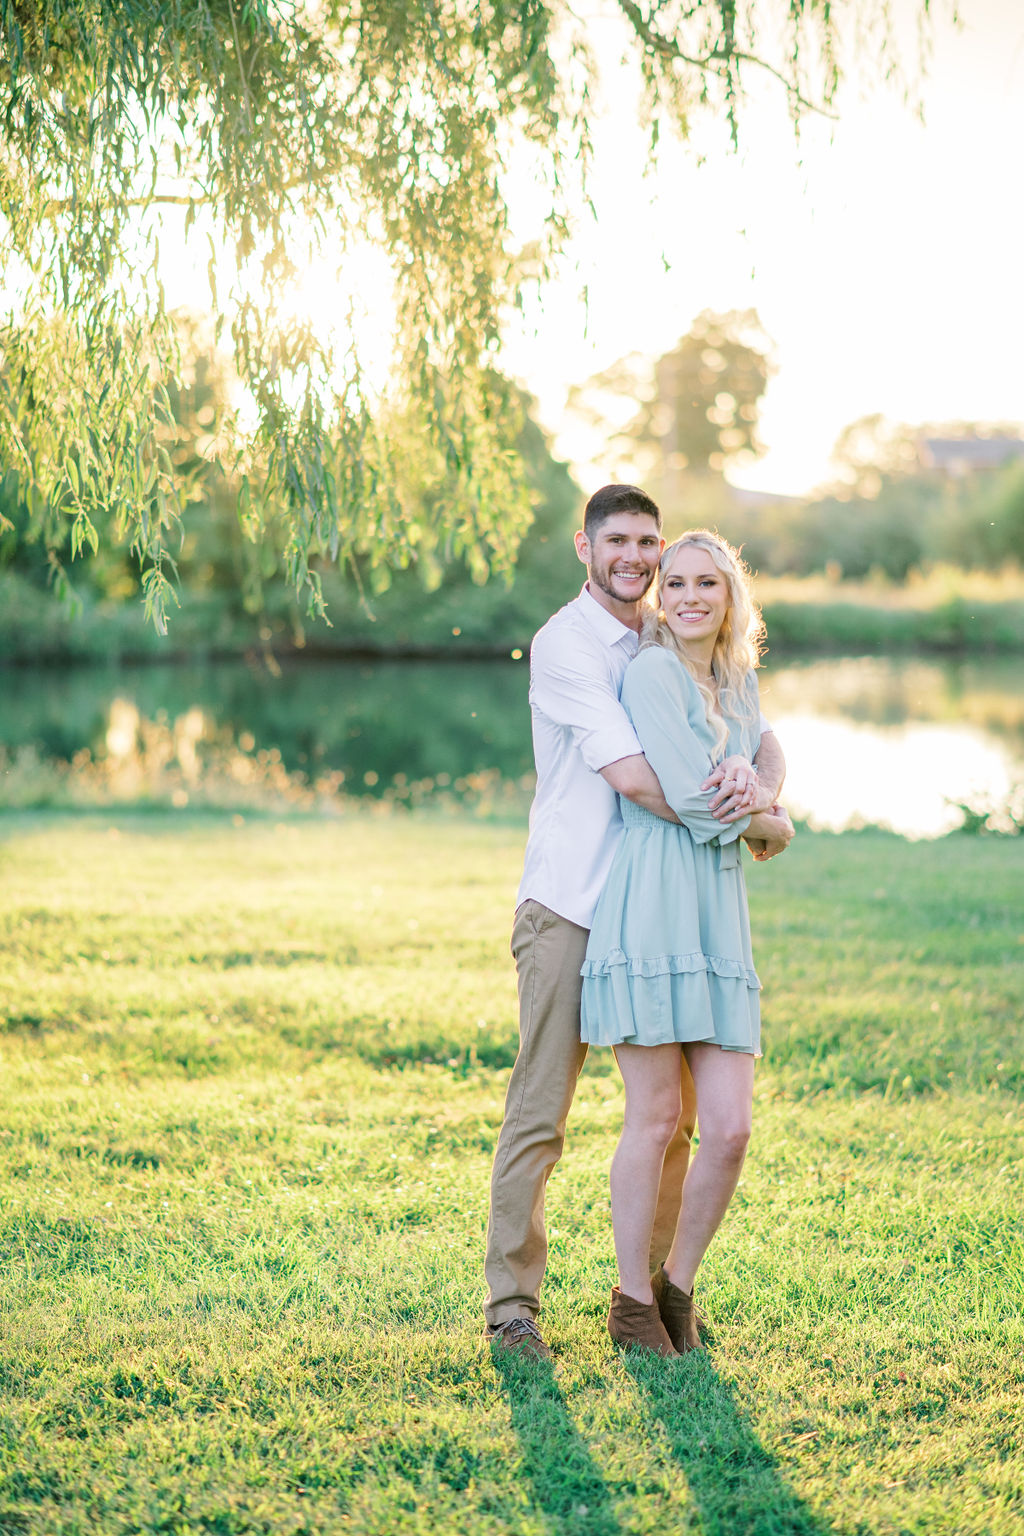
(949,611)
(254,1074)
(944,611)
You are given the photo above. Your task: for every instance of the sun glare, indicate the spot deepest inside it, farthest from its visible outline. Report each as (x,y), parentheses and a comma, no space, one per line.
(350,301)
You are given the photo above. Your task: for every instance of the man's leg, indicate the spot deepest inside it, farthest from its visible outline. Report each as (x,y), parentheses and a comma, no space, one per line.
(673,1172)
(549,952)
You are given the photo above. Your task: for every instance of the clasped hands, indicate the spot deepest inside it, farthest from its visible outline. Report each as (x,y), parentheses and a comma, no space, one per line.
(740,793)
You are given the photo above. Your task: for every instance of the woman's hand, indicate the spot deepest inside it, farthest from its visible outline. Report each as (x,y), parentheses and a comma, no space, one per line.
(738,787)
(769,833)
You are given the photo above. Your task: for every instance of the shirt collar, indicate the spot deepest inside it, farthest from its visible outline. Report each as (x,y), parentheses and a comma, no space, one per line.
(609,629)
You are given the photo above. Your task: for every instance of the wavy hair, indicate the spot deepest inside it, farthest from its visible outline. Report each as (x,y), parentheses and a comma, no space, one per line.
(739,642)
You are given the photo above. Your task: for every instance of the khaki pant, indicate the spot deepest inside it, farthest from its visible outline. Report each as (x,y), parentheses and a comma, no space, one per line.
(549,952)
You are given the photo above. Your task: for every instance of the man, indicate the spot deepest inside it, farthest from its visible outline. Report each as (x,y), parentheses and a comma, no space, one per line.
(586,753)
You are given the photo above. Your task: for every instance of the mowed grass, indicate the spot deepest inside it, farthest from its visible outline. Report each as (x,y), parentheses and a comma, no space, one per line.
(252,1076)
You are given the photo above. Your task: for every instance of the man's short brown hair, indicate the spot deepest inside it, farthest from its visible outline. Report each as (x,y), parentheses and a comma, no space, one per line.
(617,498)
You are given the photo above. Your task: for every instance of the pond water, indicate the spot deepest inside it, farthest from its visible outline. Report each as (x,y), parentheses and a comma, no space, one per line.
(900,743)
(891,741)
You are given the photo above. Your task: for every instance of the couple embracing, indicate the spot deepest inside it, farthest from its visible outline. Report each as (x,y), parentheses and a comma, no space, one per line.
(631,930)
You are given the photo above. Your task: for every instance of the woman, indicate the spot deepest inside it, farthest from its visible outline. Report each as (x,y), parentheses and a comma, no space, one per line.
(669,966)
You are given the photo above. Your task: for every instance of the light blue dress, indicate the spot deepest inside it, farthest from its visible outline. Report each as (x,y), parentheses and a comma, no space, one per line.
(669,955)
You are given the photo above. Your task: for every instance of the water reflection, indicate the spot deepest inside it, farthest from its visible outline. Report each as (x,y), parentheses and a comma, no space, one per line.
(897,743)
(867,739)
(882,691)
(367,721)
(911,778)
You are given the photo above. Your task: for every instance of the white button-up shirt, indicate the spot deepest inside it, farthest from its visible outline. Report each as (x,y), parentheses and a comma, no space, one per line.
(577,663)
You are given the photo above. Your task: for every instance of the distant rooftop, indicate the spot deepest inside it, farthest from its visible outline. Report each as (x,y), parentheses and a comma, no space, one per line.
(964,455)
(744,498)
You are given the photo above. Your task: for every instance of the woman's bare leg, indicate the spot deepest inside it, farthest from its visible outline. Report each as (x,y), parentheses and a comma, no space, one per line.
(725,1092)
(673,1171)
(650,1074)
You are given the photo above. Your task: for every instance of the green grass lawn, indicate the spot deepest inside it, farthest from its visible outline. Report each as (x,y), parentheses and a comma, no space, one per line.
(253,1074)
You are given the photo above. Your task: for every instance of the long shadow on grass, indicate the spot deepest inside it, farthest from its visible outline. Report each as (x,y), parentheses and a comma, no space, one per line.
(737,1487)
(567,1484)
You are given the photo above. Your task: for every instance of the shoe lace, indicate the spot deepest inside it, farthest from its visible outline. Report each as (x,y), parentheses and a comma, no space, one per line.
(519,1328)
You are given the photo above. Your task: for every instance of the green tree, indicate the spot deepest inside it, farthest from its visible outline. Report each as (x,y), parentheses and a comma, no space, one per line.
(892,507)
(697,405)
(990,529)
(707,394)
(276,127)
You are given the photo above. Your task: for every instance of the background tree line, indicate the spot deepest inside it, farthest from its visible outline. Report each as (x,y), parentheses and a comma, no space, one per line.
(674,423)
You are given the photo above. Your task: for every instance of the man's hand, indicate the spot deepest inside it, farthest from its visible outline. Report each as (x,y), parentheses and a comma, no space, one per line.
(769,833)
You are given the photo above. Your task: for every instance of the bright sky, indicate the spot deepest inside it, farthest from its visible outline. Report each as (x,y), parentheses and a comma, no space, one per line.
(884,257)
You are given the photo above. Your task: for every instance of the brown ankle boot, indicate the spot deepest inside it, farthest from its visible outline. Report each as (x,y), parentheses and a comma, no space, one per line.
(638,1325)
(677,1312)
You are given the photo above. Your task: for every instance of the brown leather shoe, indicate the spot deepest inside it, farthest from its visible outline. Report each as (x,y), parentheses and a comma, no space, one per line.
(519,1336)
(677,1311)
(638,1325)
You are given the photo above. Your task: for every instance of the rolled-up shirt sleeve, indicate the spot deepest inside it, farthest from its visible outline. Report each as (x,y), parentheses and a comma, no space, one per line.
(659,696)
(569,694)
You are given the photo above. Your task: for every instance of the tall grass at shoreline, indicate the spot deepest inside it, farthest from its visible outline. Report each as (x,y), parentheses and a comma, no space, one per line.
(253,1075)
(189,763)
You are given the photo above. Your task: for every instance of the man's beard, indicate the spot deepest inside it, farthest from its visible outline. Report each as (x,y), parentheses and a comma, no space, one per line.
(602,578)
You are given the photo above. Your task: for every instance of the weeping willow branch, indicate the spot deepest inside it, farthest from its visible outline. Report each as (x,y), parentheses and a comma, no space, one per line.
(294,127)
(722,61)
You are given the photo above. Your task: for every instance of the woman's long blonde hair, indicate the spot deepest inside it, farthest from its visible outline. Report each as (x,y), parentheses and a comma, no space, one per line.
(740,640)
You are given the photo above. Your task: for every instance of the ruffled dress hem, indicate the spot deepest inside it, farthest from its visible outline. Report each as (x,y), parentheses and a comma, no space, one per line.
(671,999)
(669,965)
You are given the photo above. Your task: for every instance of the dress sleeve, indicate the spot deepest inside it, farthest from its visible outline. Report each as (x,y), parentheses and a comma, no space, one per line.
(664,704)
(583,699)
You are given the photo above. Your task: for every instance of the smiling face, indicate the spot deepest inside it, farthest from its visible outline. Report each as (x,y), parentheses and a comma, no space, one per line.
(695,598)
(621,560)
